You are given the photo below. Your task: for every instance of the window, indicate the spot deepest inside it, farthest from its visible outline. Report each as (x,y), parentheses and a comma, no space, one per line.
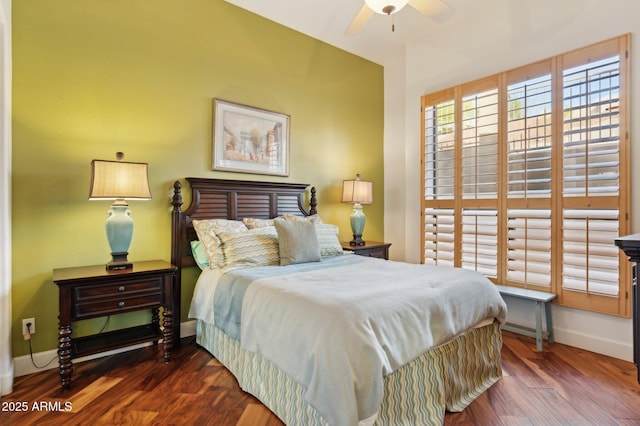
(526,176)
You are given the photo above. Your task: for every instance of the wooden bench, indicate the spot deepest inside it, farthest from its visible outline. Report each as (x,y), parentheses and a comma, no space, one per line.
(541,299)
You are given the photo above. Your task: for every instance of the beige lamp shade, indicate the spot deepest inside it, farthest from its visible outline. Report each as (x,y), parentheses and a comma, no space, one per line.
(113,180)
(357,191)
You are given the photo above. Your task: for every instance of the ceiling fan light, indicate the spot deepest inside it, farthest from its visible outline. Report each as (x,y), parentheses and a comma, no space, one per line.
(382,6)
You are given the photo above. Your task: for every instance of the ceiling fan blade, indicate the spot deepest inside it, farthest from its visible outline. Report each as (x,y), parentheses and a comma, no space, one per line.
(360,20)
(437,10)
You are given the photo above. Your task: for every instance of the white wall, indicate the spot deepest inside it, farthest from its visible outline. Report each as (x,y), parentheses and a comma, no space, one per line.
(502,34)
(6,363)
(395,197)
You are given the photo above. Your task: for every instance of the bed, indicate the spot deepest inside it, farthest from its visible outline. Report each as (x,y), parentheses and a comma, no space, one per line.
(321,337)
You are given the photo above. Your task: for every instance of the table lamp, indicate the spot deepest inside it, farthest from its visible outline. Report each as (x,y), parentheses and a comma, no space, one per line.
(358,192)
(119,181)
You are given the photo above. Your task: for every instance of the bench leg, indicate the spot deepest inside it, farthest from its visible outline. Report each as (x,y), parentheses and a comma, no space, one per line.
(547,314)
(539,326)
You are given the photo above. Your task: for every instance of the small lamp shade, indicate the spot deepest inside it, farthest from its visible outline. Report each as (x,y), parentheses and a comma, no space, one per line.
(358,192)
(119,181)
(113,180)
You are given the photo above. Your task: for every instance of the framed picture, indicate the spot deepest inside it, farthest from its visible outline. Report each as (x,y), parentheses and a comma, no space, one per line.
(250,140)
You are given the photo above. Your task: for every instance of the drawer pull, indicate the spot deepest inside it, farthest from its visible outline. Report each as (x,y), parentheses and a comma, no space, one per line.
(121,288)
(121,304)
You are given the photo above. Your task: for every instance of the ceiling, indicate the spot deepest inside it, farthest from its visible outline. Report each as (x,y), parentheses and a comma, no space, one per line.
(327,20)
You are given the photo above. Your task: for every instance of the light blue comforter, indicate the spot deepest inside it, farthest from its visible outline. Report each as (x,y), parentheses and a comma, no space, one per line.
(337,327)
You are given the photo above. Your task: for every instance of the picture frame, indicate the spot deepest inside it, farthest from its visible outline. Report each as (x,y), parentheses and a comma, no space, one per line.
(250,140)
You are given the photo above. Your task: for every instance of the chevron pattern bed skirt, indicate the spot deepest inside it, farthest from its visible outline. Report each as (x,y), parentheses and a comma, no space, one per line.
(448,377)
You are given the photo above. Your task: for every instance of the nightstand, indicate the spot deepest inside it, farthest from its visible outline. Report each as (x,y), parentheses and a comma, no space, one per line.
(370,248)
(92,291)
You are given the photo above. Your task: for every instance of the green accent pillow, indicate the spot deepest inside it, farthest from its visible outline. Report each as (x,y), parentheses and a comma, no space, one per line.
(199,255)
(298,241)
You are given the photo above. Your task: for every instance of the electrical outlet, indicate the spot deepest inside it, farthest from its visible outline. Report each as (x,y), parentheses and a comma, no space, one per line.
(31,329)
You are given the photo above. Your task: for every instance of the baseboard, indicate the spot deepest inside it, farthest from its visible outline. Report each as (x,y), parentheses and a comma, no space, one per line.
(49,359)
(597,344)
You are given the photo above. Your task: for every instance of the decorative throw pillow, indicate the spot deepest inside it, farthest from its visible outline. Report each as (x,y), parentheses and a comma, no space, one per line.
(253,223)
(199,255)
(298,241)
(314,218)
(207,231)
(328,240)
(254,247)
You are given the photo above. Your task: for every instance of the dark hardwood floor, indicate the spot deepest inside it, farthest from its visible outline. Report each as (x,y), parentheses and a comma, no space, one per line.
(561,386)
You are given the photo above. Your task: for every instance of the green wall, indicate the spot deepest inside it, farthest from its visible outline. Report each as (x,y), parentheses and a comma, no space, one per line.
(94,77)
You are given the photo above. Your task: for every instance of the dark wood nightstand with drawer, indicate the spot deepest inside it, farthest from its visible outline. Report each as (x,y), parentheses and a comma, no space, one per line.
(369,248)
(92,291)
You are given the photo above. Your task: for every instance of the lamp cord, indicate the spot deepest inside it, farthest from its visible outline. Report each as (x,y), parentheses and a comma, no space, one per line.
(33,361)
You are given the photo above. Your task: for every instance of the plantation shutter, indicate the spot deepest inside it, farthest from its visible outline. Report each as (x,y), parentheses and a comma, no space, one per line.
(526,176)
(529,247)
(592,190)
(591,137)
(480,241)
(529,138)
(439,165)
(590,260)
(439,237)
(480,145)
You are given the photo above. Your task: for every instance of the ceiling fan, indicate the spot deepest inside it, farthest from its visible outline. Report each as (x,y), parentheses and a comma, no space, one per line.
(437,10)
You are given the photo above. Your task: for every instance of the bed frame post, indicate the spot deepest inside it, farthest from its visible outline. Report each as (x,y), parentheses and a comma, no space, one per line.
(176,257)
(313,202)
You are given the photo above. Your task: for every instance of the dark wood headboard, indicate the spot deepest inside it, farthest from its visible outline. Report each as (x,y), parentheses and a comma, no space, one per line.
(227,199)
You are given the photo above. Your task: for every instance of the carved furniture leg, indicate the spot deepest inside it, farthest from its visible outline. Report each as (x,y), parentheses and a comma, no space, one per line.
(167,334)
(64,355)
(155,321)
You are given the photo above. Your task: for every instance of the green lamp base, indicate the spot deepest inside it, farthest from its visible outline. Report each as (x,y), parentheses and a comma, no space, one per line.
(119,227)
(357,220)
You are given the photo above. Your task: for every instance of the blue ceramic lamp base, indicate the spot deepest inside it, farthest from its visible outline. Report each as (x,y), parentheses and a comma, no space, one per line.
(358,220)
(119,233)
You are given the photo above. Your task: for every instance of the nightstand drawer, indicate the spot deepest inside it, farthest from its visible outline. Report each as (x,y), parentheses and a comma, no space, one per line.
(120,296)
(380,252)
(117,289)
(369,249)
(114,305)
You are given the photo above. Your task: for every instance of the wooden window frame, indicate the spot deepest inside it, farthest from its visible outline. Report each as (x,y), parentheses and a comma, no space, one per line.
(557,202)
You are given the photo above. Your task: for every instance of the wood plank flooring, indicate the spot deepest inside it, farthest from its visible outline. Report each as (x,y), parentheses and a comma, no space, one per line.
(561,386)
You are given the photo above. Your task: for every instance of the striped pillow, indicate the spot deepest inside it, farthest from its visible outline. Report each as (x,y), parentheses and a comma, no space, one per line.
(328,239)
(255,247)
(208,230)
(253,223)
